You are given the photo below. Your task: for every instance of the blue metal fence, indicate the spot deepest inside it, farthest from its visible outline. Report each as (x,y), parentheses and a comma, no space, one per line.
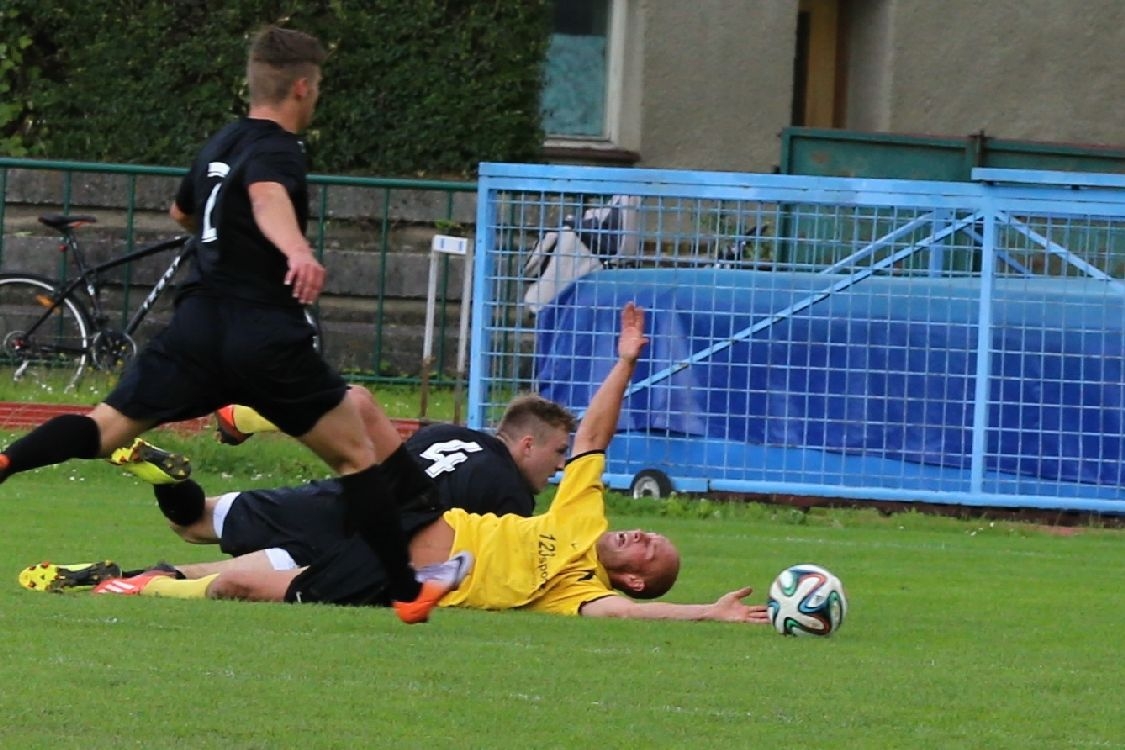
(897,340)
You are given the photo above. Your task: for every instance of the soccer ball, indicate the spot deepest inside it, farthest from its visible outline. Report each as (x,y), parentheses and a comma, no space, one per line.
(806,600)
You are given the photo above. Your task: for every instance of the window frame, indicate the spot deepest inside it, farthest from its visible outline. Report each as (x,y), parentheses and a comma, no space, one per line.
(616,39)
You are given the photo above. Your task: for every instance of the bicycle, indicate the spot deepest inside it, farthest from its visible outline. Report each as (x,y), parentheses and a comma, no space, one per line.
(50,325)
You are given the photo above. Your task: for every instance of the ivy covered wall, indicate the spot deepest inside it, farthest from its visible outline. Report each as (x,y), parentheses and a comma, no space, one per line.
(412,87)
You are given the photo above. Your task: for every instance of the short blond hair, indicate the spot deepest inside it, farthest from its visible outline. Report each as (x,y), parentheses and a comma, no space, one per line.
(530,413)
(279,58)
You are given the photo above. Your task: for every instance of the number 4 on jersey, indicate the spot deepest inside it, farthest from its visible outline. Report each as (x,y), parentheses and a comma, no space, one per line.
(446,456)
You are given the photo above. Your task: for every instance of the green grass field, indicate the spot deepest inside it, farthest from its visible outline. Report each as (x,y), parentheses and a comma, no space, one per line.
(960,634)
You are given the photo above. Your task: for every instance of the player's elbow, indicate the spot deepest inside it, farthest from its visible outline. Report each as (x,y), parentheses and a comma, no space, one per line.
(184,220)
(608,606)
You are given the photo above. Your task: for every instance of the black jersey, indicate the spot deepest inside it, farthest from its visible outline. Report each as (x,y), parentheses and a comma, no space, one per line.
(472,470)
(233,257)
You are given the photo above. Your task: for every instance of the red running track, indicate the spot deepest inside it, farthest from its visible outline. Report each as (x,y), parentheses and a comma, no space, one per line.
(18,415)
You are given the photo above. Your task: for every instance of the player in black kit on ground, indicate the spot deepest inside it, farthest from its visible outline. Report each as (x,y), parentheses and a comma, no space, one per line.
(239,332)
(471,469)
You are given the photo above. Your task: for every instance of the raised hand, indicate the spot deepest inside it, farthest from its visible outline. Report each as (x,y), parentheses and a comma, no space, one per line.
(632,340)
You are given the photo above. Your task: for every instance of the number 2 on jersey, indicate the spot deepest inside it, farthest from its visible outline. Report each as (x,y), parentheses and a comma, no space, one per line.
(214,169)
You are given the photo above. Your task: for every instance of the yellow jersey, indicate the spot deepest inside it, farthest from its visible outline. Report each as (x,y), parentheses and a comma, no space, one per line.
(546,563)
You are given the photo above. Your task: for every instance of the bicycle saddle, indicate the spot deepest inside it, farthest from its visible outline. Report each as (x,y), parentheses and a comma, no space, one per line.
(61,221)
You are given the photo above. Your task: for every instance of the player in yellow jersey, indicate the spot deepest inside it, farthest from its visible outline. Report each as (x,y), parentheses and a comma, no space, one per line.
(563,561)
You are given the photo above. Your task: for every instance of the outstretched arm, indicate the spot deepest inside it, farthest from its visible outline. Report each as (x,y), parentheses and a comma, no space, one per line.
(277,220)
(727,608)
(600,421)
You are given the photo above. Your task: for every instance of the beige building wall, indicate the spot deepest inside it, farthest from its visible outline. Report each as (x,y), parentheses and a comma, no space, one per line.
(1045,70)
(717,83)
(709,84)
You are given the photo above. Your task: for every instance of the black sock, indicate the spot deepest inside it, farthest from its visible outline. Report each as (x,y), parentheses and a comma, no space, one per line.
(166,567)
(373,512)
(58,439)
(181,503)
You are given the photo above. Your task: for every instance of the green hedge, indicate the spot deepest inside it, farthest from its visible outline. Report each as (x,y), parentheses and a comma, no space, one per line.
(412,87)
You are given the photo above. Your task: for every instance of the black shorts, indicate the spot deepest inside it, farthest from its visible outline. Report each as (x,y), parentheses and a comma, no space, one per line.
(306,521)
(219,350)
(350,573)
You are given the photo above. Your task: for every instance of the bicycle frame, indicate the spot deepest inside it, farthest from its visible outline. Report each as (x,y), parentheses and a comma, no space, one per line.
(87,278)
(158,288)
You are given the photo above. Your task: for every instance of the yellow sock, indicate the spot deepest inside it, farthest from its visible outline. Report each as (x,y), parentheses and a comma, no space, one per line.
(249,421)
(167,586)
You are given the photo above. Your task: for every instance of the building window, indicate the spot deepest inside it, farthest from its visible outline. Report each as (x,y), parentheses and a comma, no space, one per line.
(580,70)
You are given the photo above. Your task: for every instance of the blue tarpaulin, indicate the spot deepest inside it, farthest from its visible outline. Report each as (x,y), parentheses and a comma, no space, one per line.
(884,369)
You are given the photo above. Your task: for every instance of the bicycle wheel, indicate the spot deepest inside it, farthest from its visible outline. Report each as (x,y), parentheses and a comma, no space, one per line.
(54,354)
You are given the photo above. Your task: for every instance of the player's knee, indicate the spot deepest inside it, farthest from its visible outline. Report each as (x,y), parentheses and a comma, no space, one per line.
(251,586)
(231,585)
(362,399)
(347,451)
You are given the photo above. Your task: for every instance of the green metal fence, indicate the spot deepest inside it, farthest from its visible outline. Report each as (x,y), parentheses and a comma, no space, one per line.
(842,153)
(372,233)
(826,152)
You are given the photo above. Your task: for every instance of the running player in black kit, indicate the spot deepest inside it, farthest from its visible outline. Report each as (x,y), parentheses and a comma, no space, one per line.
(239,333)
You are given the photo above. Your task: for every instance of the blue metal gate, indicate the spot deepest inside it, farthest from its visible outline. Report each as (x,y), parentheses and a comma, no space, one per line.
(869,339)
